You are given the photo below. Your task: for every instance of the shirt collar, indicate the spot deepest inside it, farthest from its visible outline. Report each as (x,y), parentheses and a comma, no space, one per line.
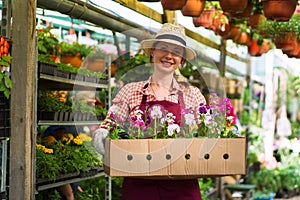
(175,87)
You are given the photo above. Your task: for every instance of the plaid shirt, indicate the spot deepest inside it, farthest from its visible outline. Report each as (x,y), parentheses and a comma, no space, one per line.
(129,98)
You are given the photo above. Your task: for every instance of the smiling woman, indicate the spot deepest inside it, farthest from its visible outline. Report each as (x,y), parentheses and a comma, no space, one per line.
(167,51)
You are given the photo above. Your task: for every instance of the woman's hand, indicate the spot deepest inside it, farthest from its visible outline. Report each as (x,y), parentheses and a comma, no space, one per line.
(98,140)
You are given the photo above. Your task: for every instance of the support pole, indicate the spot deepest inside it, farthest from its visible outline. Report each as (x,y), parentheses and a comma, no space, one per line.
(222,66)
(23,101)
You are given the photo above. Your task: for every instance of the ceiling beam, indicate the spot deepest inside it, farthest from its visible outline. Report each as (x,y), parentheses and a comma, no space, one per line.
(153,14)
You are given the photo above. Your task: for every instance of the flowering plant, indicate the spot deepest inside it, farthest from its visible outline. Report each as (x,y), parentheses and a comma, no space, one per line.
(213,121)
(64,154)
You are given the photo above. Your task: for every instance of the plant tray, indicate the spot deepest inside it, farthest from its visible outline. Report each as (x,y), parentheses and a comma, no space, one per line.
(43,115)
(92,171)
(66,116)
(77,77)
(64,177)
(53,116)
(175,158)
(102,81)
(79,116)
(62,74)
(46,68)
(91,79)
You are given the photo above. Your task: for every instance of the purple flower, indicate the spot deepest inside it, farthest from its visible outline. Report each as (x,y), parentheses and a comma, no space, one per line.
(140,123)
(202,108)
(114,125)
(112,115)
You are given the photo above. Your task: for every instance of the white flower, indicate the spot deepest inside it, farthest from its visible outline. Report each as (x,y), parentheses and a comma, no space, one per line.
(162,120)
(138,114)
(190,119)
(230,118)
(284,143)
(156,112)
(173,128)
(295,145)
(208,120)
(170,118)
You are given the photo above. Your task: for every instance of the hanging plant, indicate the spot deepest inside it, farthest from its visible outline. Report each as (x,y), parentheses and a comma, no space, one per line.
(173,4)
(278,31)
(279,10)
(245,13)
(193,8)
(233,6)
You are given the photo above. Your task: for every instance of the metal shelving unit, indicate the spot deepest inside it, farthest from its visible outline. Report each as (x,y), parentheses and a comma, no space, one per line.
(3,151)
(50,82)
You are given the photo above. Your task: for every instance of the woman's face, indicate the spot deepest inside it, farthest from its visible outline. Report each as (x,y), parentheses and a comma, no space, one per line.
(167,56)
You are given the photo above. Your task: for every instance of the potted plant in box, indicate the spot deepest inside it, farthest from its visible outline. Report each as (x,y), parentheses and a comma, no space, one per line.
(214,127)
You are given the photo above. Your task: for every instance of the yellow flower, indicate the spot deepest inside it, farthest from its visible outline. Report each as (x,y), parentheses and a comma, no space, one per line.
(40,147)
(46,150)
(62,99)
(78,141)
(65,138)
(70,135)
(84,137)
(49,140)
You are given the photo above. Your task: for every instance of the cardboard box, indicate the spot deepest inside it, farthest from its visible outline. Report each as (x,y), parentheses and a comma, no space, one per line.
(175,158)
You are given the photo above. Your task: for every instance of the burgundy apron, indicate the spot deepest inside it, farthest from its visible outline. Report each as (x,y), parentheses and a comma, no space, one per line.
(150,189)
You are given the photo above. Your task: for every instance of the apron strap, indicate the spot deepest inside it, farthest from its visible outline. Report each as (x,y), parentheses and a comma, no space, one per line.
(144,98)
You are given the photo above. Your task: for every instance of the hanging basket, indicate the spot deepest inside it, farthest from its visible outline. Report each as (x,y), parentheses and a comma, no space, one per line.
(223,29)
(253,48)
(242,38)
(205,19)
(233,6)
(285,40)
(232,33)
(149,0)
(193,8)
(173,4)
(245,13)
(255,19)
(294,51)
(279,10)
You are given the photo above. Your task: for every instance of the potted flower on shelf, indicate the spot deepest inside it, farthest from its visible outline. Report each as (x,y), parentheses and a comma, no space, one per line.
(74,53)
(95,60)
(48,44)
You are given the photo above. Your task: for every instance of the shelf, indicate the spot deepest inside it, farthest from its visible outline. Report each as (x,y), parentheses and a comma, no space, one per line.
(49,82)
(68,123)
(44,184)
